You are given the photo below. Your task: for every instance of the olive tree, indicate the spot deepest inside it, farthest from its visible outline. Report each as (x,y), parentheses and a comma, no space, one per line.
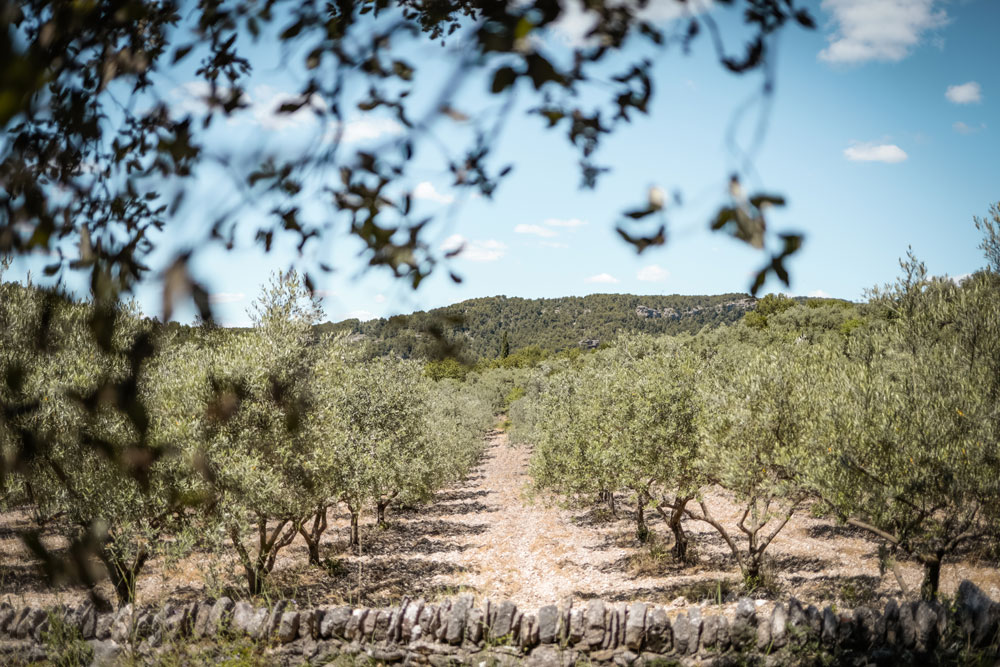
(248,431)
(912,453)
(80,443)
(763,406)
(626,420)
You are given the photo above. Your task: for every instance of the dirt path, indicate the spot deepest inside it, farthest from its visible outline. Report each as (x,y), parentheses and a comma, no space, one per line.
(530,551)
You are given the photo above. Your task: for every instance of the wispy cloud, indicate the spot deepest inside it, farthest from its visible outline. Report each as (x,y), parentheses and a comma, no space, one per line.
(226,297)
(880,30)
(874,152)
(356,130)
(380,298)
(426,190)
(819,294)
(265,108)
(965,93)
(575,22)
(601,278)
(536,230)
(570,222)
(654,273)
(963,128)
(488,250)
(362,315)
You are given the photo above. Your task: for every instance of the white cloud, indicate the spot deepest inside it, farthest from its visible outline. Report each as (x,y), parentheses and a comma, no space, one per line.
(488,250)
(883,30)
(365,129)
(965,93)
(323,293)
(362,315)
(574,23)
(819,294)
(602,278)
(194,97)
(958,280)
(226,297)
(537,230)
(380,298)
(426,190)
(266,102)
(873,152)
(962,128)
(570,222)
(654,273)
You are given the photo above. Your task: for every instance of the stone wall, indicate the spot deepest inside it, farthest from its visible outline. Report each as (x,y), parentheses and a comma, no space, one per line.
(459,631)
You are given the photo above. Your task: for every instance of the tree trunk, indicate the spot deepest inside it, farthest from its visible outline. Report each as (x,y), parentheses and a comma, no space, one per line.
(680,549)
(641,529)
(355,534)
(932,577)
(314,533)
(123,575)
(752,570)
(380,507)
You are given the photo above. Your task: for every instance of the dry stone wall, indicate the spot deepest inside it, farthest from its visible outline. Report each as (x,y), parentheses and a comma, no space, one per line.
(458,631)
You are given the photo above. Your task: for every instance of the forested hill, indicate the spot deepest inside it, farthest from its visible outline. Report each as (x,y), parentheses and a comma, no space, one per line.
(479,325)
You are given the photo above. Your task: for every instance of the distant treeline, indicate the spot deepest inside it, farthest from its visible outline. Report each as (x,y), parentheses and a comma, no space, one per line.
(479,328)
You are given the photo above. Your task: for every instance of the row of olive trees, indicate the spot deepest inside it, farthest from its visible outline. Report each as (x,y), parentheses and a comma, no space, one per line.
(885,415)
(255,434)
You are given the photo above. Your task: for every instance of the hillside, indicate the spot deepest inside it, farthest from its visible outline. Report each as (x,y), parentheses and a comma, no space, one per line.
(479,325)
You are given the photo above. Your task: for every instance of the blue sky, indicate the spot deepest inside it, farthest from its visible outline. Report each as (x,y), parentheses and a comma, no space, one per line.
(883,133)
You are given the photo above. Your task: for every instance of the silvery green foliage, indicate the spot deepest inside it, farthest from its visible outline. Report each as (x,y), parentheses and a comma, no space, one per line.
(625,420)
(912,449)
(764,402)
(85,463)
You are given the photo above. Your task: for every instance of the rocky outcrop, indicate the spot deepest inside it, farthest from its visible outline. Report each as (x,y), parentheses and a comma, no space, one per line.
(457,631)
(739,305)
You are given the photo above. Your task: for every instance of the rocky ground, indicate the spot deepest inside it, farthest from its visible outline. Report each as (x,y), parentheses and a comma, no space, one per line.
(489,536)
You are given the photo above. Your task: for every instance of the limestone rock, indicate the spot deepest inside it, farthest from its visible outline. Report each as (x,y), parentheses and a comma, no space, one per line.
(978,615)
(455,630)
(635,626)
(475,626)
(743,632)
(242,615)
(221,614)
(288,627)
(334,621)
(352,631)
(779,626)
(594,632)
(504,622)
(828,633)
(548,619)
(659,634)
